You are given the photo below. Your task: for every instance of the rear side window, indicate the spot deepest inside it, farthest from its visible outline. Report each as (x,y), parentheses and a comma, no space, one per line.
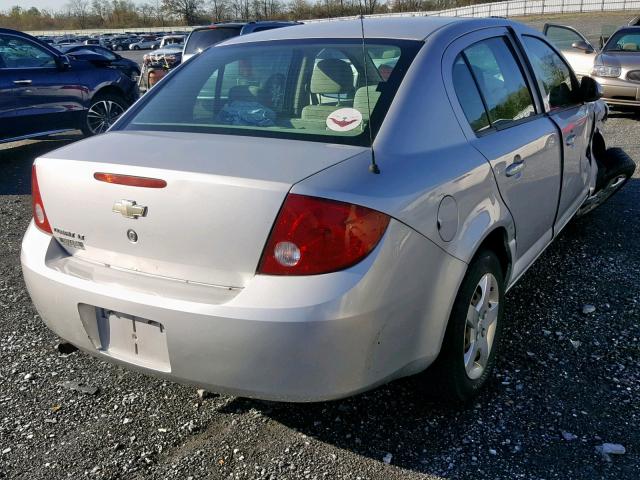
(552,73)
(501,81)
(469,96)
(201,39)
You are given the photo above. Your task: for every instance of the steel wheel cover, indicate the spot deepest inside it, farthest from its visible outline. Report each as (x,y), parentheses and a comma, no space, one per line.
(480,327)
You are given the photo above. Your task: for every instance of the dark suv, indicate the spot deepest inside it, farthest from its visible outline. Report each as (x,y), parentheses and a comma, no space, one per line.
(203,37)
(43,91)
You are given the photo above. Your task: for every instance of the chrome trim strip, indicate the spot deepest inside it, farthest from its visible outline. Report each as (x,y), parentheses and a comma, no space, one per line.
(35,135)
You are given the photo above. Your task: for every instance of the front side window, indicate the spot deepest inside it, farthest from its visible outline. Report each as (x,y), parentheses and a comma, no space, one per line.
(20,53)
(552,73)
(321,90)
(500,80)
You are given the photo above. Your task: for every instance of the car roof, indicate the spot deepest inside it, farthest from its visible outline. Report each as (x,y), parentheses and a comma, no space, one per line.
(213,26)
(400,28)
(632,28)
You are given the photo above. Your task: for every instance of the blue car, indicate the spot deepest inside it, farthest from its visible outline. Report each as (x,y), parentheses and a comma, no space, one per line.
(130,68)
(43,91)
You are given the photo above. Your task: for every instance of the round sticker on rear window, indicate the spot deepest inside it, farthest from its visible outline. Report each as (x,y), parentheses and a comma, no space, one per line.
(344,119)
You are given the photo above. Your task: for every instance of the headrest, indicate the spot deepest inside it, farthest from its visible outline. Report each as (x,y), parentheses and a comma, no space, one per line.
(632,47)
(360,102)
(331,75)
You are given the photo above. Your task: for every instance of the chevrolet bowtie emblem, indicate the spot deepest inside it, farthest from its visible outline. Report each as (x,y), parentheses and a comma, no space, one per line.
(129,209)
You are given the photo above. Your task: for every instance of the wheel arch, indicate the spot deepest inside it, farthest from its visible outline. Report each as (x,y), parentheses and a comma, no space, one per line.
(497,241)
(108,89)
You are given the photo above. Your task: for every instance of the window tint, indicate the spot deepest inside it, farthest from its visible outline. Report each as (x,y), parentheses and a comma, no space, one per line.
(20,53)
(500,80)
(562,37)
(552,73)
(468,96)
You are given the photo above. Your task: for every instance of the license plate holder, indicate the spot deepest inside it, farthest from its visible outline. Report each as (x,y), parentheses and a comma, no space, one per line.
(132,339)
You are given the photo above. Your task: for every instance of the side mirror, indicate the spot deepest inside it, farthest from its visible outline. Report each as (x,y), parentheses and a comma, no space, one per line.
(584,46)
(590,90)
(63,62)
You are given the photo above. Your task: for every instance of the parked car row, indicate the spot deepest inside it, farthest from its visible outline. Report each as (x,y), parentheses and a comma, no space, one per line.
(129,41)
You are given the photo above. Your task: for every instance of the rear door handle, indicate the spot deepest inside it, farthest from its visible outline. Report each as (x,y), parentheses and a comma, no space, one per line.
(22,82)
(516,167)
(570,140)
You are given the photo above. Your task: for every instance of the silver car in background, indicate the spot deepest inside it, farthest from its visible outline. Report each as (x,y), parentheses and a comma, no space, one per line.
(297,215)
(616,66)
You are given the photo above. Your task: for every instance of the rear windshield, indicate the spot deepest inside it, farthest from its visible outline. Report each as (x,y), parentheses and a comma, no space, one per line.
(201,39)
(322,90)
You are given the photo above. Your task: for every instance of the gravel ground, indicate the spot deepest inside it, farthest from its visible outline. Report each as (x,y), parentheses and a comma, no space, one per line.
(565,383)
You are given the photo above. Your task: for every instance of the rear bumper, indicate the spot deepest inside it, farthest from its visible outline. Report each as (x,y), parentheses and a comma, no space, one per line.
(293,339)
(617,91)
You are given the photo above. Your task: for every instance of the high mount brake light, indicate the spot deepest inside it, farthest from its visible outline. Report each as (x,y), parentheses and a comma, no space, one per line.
(39,214)
(130,180)
(315,235)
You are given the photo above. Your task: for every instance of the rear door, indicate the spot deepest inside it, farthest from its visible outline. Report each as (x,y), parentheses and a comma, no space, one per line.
(503,120)
(7,102)
(562,103)
(574,46)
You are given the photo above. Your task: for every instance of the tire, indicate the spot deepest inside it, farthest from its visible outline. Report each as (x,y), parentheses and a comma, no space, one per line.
(136,48)
(110,106)
(615,169)
(458,371)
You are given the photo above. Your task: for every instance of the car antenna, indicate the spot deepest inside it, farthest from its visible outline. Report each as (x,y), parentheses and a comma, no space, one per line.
(373,166)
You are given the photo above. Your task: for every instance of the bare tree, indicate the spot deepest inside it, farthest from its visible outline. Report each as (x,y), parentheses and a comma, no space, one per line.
(188,10)
(146,12)
(79,9)
(219,10)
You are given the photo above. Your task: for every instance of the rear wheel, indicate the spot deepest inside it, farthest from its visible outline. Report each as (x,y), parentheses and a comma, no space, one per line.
(102,113)
(472,337)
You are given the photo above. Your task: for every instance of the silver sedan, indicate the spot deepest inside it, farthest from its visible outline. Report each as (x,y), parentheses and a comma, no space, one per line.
(302,215)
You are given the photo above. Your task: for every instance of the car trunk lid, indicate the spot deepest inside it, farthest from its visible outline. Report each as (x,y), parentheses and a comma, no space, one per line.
(208,224)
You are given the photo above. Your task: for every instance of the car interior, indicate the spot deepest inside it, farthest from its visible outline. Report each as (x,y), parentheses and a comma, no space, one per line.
(288,89)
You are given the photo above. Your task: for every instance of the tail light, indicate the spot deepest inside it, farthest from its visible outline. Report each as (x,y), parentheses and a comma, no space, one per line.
(314,235)
(39,214)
